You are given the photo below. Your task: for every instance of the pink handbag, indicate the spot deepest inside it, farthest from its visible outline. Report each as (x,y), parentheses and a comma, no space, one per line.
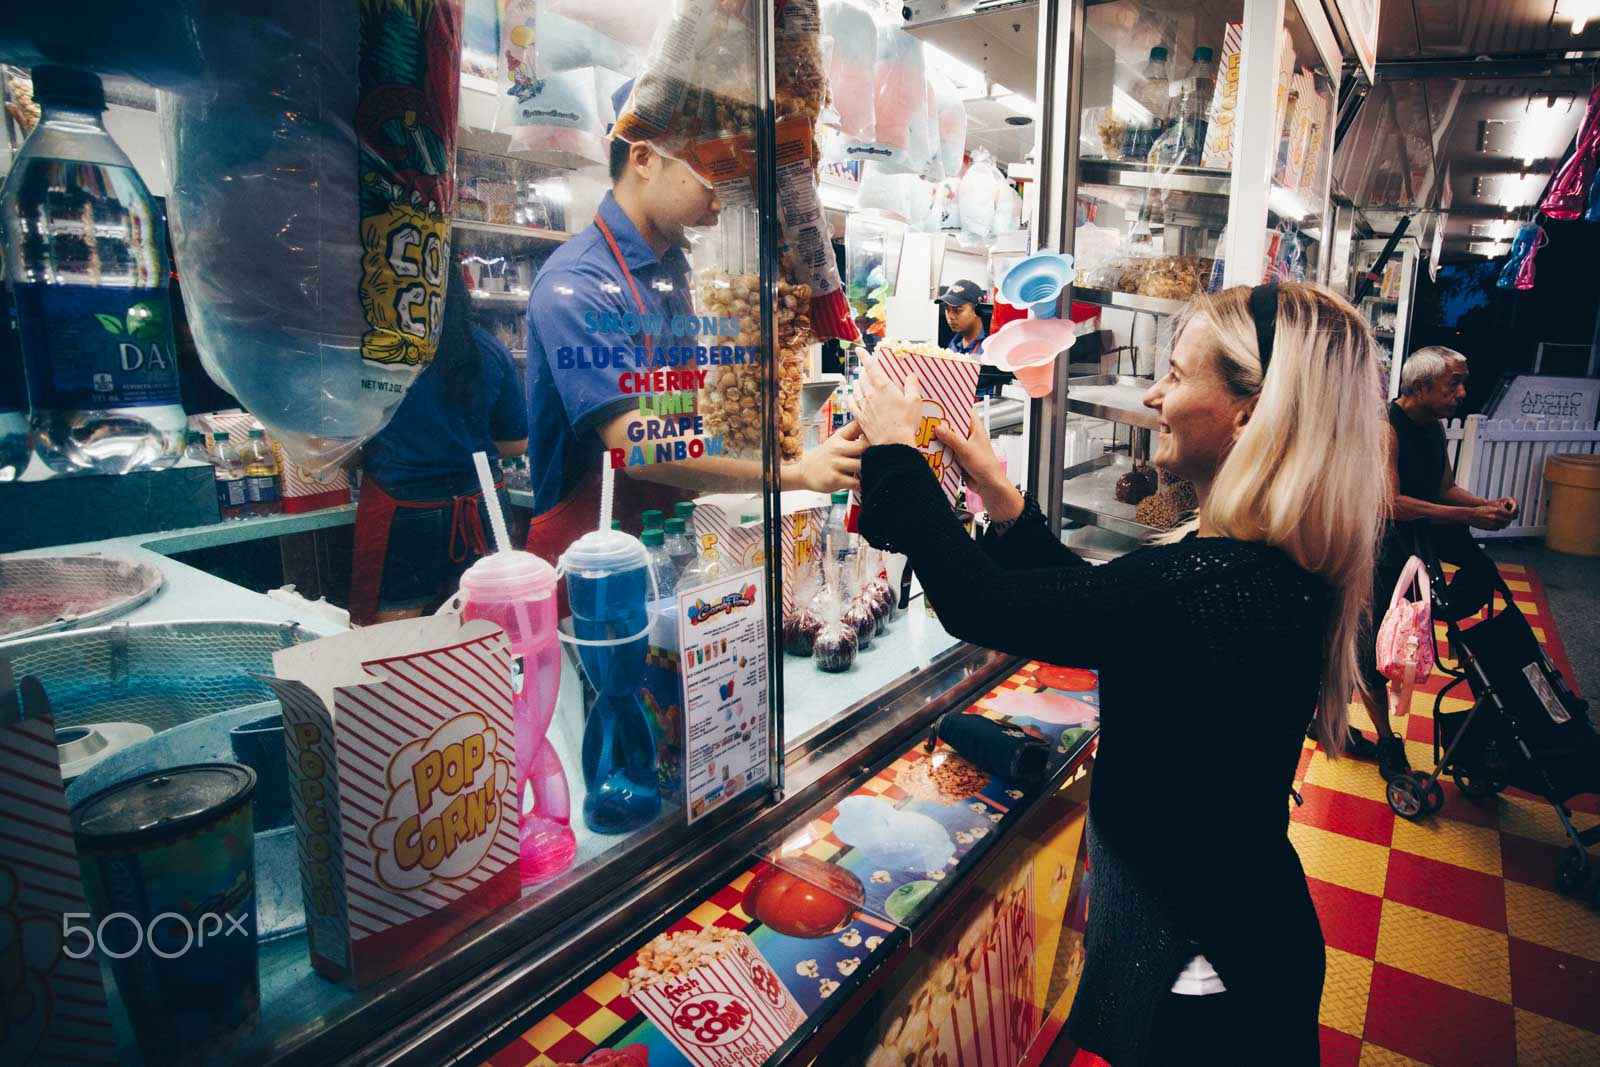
(1405,638)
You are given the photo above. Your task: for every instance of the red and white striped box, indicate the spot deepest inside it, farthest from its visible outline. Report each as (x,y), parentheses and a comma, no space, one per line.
(55,1006)
(400,748)
(994,1018)
(731,1011)
(949,386)
(717,526)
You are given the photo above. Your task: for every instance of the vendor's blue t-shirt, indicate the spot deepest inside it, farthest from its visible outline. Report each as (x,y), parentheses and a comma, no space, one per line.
(579,287)
(427,438)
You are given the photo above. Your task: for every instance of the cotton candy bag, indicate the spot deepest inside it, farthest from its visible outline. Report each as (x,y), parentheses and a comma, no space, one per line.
(852,68)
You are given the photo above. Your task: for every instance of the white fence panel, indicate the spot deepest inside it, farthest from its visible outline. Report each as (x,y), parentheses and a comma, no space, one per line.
(1503,457)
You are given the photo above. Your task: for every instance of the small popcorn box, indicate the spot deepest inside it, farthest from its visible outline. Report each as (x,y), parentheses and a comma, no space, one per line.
(400,748)
(804,513)
(949,386)
(1221,131)
(55,1008)
(303,490)
(727,1008)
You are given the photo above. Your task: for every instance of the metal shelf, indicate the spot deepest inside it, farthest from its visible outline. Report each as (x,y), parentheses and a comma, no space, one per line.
(1156,305)
(1113,397)
(1088,495)
(531,233)
(1204,180)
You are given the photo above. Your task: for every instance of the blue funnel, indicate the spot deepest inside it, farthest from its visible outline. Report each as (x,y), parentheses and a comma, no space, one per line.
(1036,282)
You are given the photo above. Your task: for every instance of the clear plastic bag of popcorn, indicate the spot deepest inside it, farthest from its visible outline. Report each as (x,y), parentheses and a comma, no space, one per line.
(699,82)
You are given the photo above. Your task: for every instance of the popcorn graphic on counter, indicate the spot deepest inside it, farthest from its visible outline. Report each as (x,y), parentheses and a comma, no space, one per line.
(807,969)
(714,996)
(400,745)
(827,987)
(848,967)
(873,942)
(850,938)
(881,877)
(949,385)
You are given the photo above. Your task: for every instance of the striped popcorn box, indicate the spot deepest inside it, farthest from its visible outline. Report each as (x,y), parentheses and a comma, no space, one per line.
(400,748)
(949,387)
(54,1005)
(303,490)
(714,996)
(716,527)
(1221,134)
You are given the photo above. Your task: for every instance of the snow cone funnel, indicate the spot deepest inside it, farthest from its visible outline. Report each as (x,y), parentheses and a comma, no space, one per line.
(1036,282)
(1028,348)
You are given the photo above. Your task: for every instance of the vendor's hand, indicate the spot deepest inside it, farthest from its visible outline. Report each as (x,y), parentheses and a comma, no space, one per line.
(836,463)
(887,413)
(1490,516)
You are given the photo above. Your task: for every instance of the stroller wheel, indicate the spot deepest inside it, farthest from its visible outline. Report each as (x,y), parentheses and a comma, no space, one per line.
(1405,799)
(1478,784)
(1429,791)
(1573,872)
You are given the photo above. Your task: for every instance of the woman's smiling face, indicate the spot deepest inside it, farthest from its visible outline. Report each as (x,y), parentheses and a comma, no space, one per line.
(1199,415)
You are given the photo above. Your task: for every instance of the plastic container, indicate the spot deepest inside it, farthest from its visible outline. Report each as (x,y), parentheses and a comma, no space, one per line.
(608,588)
(516,592)
(170,855)
(1152,94)
(233,494)
(1574,510)
(262,495)
(655,546)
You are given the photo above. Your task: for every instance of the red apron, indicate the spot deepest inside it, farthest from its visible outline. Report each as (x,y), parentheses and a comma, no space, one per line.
(374,514)
(552,533)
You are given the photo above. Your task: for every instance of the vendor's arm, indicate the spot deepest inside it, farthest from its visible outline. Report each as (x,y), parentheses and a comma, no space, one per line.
(834,464)
(1456,506)
(1059,614)
(508,414)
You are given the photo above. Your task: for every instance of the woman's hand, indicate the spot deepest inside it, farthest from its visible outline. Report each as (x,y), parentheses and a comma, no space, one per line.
(975,455)
(887,414)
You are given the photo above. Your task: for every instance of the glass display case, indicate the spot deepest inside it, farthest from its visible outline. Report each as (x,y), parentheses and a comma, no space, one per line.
(1387,305)
(1204,153)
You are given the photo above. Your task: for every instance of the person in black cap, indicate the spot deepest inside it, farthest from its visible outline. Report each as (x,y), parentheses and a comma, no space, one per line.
(961,315)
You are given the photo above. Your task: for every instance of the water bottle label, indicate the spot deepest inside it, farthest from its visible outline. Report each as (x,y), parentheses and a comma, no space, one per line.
(88,347)
(231,493)
(263,489)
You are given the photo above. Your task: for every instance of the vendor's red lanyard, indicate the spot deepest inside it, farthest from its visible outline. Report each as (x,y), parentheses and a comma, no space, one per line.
(622,264)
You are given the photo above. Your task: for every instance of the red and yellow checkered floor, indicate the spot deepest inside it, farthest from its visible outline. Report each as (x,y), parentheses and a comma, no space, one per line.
(1447,943)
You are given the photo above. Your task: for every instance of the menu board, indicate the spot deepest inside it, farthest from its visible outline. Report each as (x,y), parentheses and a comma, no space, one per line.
(722,647)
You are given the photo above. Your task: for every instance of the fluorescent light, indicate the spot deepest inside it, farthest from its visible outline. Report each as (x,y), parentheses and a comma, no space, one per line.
(1488,248)
(1579,11)
(1540,126)
(1517,190)
(1286,205)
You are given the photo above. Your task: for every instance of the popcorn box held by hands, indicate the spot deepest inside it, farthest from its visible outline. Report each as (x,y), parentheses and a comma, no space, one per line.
(715,997)
(400,746)
(949,385)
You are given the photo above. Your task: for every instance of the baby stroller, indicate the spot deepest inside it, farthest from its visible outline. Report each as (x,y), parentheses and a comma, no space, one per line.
(1526,728)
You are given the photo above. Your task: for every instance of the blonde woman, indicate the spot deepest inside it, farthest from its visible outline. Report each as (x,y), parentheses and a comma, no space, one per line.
(1213,651)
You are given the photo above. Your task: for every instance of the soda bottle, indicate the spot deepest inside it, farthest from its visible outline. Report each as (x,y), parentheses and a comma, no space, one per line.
(1151,94)
(232,493)
(261,476)
(86,265)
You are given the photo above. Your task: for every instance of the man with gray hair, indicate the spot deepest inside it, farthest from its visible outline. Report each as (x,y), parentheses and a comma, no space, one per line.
(1427,503)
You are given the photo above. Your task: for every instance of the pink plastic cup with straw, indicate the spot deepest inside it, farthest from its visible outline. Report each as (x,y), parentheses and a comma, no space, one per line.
(517,592)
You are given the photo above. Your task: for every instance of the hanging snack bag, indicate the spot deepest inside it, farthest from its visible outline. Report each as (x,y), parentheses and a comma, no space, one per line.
(899,100)
(802,75)
(556,117)
(951,116)
(852,69)
(698,84)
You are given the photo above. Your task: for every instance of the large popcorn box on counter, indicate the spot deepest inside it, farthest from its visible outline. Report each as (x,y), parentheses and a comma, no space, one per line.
(717,526)
(54,1005)
(715,997)
(400,747)
(949,385)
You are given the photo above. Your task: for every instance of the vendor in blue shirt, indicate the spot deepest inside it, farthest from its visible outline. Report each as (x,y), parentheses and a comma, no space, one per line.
(421,519)
(584,313)
(961,302)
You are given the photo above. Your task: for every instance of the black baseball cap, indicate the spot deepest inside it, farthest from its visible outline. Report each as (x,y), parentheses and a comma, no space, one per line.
(962,292)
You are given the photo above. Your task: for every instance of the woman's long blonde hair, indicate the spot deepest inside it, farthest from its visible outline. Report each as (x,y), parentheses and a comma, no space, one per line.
(1308,471)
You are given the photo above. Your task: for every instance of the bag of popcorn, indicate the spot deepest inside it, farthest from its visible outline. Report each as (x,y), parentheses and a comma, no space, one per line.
(714,996)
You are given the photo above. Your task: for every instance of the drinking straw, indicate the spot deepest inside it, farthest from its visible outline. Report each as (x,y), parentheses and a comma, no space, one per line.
(608,485)
(491,501)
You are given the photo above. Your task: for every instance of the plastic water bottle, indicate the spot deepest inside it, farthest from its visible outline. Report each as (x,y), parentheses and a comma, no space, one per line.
(705,567)
(233,496)
(680,549)
(14,449)
(837,541)
(87,268)
(196,449)
(261,476)
(650,519)
(655,546)
(1151,94)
